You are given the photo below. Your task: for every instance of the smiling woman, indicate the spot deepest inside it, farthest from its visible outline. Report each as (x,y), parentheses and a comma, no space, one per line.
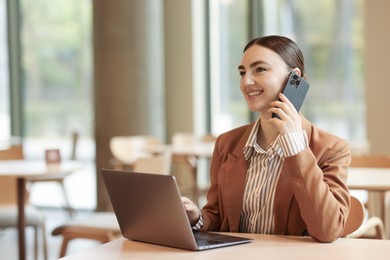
(276,175)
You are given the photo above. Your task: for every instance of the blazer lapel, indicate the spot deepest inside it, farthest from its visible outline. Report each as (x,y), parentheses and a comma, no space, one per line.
(235,170)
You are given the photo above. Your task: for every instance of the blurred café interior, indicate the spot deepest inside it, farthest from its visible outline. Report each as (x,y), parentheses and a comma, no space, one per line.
(151,83)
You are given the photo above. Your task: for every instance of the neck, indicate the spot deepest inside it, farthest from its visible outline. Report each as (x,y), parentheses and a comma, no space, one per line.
(267,133)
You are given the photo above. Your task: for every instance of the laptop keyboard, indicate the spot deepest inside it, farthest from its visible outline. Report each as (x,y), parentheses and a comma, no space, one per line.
(205,238)
(205,242)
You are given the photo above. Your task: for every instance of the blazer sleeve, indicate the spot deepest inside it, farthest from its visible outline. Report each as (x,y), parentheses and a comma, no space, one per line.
(318,177)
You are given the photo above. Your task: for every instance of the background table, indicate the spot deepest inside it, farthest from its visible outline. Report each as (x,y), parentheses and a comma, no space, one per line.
(370,179)
(200,149)
(22,169)
(263,247)
(377,182)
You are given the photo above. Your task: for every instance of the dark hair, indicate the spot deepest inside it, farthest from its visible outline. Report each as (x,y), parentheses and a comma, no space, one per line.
(287,49)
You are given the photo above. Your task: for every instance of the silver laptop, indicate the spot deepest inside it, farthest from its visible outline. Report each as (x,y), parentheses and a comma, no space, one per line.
(149,209)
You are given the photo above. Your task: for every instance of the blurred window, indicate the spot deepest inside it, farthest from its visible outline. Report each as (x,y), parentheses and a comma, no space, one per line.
(229,30)
(57,75)
(5,129)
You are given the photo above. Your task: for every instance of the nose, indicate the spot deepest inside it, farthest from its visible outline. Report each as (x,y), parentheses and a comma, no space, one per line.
(248,79)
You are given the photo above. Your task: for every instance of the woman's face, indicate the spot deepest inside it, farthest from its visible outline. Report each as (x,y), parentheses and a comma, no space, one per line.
(263,75)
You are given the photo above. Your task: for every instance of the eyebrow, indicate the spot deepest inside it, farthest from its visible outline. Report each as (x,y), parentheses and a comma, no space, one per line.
(253,64)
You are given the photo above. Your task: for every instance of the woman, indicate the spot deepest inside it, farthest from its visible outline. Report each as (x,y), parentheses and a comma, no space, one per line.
(275,176)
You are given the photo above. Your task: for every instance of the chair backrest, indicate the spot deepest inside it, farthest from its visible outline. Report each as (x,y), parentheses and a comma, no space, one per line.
(158,164)
(183,139)
(360,147)
(128,149)
(371,161)
(8,184)
(208,138)
(355,217)
(14,152)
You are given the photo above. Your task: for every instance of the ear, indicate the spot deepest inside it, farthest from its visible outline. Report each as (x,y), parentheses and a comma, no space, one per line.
(298,71)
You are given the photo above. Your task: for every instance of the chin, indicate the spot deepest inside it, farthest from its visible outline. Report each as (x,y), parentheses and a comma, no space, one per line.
(254,106)
(254,109)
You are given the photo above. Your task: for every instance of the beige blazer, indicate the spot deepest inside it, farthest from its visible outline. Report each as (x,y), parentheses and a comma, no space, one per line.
(311,195)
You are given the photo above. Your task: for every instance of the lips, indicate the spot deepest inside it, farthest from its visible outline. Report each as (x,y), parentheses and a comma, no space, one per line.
(254,93)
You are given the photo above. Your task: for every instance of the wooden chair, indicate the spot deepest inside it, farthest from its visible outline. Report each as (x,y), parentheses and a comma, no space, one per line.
(373,227)
(60,180)
(355,226)
(127,149)
(355,217)
(8,203)
(185,163)
(157,164)
(100,226)
(103,226)
(189,162)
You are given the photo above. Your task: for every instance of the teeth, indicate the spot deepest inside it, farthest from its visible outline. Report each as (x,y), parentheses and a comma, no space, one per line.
(254,93)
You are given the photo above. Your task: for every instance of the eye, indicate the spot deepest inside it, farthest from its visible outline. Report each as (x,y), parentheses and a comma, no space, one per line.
(242,73)
(260,69)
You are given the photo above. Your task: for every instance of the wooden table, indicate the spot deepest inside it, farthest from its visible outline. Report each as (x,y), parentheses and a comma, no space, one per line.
(370,179)
(263,247)
(377,182)
(23,169)
(199,149)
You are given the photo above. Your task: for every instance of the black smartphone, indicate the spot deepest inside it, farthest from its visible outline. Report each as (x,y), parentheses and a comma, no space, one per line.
(295,90)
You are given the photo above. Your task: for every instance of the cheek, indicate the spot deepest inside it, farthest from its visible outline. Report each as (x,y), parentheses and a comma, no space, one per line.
(274,87)
(278,86)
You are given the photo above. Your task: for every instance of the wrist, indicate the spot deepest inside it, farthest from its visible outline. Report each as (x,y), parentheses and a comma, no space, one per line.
(197,216)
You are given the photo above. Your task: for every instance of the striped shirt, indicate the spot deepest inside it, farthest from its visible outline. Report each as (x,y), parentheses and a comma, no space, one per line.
(257,214)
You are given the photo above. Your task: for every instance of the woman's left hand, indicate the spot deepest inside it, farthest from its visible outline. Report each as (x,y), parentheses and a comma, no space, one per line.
(290,120)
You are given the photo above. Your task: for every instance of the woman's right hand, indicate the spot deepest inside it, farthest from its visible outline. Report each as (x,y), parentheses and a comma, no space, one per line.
(192,210)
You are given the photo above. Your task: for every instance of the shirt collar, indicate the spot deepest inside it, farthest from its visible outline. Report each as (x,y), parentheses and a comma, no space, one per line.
(252,146)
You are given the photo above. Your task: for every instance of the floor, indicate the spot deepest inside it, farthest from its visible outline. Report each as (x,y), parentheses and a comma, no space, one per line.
(55,217)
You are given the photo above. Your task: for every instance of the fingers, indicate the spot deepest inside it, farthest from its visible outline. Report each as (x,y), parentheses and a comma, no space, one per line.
(282,106)
(185,200)
(192,210)
(189,205)
(285,99)
(290,120)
